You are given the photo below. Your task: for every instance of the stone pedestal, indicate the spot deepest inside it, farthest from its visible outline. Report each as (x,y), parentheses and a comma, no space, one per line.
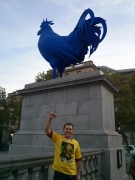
(86,100)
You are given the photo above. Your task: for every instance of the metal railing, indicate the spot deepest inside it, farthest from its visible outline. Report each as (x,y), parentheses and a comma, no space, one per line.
(38,167)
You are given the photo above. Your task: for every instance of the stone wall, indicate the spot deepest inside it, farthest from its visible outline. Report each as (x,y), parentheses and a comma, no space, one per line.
(86,100)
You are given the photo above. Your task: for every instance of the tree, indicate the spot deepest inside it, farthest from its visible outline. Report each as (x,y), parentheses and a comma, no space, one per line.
(124,102)
(10,112)
(45,76)
(4,117)
(15,107)
(4,113)
(2,96)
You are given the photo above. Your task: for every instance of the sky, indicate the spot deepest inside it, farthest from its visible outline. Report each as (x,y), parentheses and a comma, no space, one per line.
(20,20)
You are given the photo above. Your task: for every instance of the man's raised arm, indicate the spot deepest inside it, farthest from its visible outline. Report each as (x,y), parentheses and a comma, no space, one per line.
(48,123)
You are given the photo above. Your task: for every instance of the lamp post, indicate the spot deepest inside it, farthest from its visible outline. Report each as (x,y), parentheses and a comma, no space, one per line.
(119,129)
(125,138)
(11,137)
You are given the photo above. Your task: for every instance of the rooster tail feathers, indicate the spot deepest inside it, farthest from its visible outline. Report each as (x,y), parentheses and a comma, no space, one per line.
(98,30)
(99,20)
(87,32)
(94,44)
(83,16)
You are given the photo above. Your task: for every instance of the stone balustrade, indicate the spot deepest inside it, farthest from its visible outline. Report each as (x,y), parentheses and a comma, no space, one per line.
(38,167)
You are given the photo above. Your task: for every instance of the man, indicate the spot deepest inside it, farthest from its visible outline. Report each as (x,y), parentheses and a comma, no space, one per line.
(67,159)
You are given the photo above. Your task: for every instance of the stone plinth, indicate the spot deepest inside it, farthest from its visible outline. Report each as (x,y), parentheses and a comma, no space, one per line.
(86,100)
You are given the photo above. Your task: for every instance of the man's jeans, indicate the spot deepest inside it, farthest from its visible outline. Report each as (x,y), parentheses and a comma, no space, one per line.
(61,176)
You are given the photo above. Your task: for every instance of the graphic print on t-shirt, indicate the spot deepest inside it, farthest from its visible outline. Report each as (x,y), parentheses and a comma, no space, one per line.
(67,150)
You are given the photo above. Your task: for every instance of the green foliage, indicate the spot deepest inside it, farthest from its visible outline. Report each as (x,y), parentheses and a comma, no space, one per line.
(124,100)
(2,96)
(15,106)
(10,112)
(45,76)
(4,117)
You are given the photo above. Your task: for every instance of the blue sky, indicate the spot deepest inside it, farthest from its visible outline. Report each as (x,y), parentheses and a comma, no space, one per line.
(20,20)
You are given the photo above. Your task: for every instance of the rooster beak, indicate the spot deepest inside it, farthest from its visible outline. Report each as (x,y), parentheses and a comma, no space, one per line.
(39,32)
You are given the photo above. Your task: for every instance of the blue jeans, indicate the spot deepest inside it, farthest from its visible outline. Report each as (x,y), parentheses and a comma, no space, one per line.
(60,176)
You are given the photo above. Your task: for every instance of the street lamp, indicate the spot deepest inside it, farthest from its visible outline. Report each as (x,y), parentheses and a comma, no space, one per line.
(11,137)
(119,129)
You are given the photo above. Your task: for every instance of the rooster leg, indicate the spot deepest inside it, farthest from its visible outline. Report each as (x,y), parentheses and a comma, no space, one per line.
(54,73)
(61,70)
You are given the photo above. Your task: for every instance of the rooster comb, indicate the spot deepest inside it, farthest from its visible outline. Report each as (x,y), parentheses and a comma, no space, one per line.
(46,23)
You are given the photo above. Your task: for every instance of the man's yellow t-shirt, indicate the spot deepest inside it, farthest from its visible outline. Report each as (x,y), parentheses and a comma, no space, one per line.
(66,154)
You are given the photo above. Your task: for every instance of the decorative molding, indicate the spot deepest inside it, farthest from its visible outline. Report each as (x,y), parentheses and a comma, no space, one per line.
(80,79)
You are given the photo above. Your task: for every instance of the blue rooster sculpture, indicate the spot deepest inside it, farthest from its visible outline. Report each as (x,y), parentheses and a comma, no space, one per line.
(63,51)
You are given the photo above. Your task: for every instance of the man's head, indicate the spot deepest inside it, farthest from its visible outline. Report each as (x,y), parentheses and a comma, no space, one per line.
(68,150)
(68,124)
(68,130)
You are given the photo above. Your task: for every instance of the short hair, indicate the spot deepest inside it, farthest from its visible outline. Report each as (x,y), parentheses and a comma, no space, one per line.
(68,124)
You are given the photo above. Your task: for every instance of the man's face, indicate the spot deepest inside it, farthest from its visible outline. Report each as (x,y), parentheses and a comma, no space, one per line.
(68,131)
(68,150)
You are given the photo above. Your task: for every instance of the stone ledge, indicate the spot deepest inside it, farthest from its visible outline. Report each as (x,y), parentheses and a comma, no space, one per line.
(97,132)
(79,79)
